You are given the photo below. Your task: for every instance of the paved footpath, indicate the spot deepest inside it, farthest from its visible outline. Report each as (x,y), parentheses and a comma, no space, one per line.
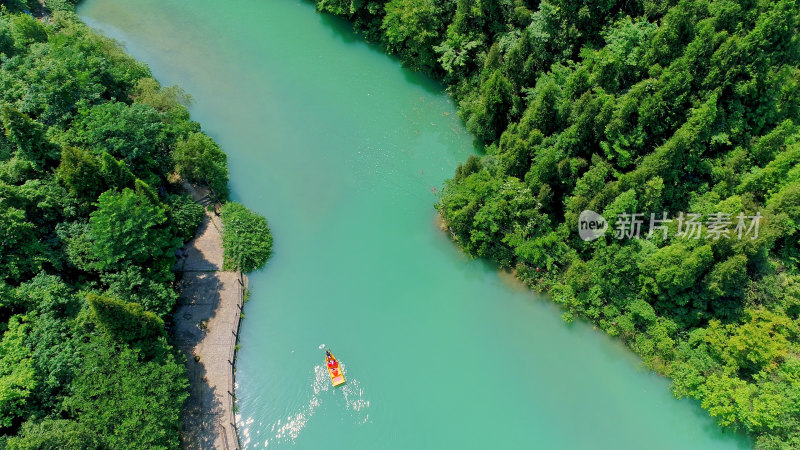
(206,326)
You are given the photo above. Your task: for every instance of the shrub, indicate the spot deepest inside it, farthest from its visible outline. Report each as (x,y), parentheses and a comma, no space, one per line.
(185,215)
(246,238)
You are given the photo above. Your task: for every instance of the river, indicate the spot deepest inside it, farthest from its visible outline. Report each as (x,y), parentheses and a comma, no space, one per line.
(342,150)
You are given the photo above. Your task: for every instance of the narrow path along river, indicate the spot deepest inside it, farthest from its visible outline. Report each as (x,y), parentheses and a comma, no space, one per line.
(341,149)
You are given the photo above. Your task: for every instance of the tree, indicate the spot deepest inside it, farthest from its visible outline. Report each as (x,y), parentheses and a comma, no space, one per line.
(170,99)
(52,307)
(758,344)
(78,170)
(470,31)
(128,323)
(147,287)
(6,40)
(26,30)
(28,136)
(87,249)
(17,377)
(487,115)
(115,173)
(132,133)
(185,215)
(129,227)
(246,239)
(55,434)
(23,252)
(48,294)
(411,30)
(127,402)
(199,158)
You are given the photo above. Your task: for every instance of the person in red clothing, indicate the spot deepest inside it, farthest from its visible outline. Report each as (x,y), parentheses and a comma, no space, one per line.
(332,363)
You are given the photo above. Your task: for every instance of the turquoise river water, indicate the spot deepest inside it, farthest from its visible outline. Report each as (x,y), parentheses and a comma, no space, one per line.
(342,149)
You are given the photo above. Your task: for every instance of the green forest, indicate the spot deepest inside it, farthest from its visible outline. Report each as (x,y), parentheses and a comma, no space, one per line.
(682,109)
(92,150)
(625,107)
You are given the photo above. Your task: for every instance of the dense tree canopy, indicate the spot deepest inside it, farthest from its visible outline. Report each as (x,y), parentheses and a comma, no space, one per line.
(624,107)
(199,158)
(90,218)
(124,221)
(246,238)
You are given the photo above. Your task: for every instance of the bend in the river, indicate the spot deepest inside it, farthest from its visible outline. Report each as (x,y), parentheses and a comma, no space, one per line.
(342,150)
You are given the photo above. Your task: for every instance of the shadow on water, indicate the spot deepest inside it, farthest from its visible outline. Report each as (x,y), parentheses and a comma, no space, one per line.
(343,30)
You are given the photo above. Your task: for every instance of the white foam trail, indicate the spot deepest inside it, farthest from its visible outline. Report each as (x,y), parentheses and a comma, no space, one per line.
(355,400)
(244,429)
(288,429)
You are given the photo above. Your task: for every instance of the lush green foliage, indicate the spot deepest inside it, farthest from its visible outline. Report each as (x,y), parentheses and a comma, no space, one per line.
(122,223)
(623,107)
(128,323)
(199,158)
(185,214)
(90,223)
(246,238)
(17,377)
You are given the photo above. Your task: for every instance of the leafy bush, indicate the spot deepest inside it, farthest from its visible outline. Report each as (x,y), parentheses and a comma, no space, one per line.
(129,227)
(246,238)
(26,30)
(125,401)
(185,215)
(125,322)
(199,158)
(60,5)
(146,286)
(6,39)
(134,133)
(54,434)
(17,376)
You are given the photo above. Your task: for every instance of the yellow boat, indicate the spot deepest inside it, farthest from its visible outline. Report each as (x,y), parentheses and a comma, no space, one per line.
(334,370)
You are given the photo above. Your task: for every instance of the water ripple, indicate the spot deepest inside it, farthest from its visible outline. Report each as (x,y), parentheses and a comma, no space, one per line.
(287,429)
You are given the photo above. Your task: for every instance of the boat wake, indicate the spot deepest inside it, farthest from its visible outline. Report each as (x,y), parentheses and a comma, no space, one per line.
(355,400)
(287,429)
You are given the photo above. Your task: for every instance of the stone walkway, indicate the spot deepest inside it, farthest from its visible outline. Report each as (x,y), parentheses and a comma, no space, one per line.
(206,328)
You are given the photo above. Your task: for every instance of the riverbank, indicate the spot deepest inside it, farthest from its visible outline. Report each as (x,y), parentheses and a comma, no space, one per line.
(207,325)
(343,165)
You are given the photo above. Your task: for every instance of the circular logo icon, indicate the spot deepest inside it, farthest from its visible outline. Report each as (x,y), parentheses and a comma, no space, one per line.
(591,225)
